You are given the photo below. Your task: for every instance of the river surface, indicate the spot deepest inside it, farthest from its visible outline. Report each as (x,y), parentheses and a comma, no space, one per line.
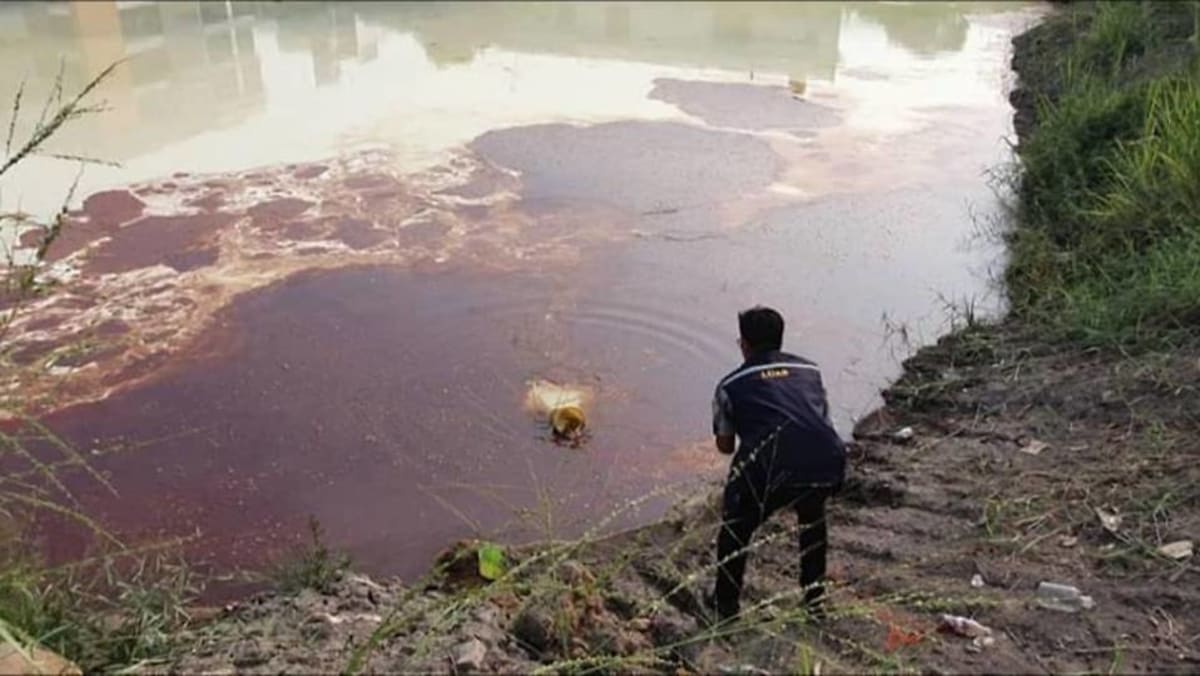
(343,239)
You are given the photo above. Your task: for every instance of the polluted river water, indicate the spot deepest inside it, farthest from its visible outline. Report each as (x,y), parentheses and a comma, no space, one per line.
(340,242)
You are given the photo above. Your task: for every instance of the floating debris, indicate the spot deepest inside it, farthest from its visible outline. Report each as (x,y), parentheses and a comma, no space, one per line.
(568,422)
(563,407)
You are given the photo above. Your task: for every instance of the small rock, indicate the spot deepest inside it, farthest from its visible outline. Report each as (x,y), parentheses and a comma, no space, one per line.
(903,435)
(1034,447)
(250,654)
(361,585)
(534,626)
(1068,541)
(1178,550)
(316,628)
(486,614)
(640,624)
(667,630)
(745,669)
(330,618)
(1110,520)
(622,603)
(308,599)
(488,633)
(470,655)
(977,581)
(979,643)
(708,656)
(506,663)
(633,643)
(35,660)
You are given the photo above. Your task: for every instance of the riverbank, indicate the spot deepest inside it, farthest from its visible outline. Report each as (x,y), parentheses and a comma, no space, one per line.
(1042,448)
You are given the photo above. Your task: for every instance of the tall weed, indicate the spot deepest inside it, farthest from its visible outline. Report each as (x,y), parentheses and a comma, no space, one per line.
(115,611)
(103,614)
(1155,191)
(1107,248)
(1119,33)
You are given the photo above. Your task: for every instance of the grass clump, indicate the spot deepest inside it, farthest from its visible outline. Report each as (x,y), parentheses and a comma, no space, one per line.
(106,614)
(314,566)
(1107,244)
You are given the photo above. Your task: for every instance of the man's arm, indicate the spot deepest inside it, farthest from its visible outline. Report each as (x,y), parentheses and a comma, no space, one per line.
(723,428)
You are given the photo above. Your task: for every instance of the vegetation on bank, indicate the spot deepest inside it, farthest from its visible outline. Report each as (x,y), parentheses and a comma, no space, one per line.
(107,613)
(1106,248)
(118,608)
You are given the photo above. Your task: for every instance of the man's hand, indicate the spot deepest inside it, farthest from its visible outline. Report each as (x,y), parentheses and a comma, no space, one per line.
(725,444)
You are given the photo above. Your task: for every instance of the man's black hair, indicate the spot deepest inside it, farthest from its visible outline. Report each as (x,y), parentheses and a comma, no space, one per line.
(761,328)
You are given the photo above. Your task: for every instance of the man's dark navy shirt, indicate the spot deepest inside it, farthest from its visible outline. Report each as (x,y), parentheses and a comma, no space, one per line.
(775,404)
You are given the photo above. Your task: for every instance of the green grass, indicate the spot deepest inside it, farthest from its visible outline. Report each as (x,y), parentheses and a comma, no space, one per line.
(1119,33)
(1106,248)
(105,614)
(314,566)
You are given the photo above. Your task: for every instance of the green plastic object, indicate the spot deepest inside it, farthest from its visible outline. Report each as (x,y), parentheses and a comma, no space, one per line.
(491,562)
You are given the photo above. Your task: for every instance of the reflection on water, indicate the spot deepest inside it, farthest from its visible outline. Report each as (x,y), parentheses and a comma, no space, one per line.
(217,86)
(924,28)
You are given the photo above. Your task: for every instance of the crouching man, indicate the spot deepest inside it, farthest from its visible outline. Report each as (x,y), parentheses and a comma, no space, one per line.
(787,455)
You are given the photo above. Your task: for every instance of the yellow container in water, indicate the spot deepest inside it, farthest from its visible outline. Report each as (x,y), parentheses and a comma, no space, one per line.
(567,421)
(562,405)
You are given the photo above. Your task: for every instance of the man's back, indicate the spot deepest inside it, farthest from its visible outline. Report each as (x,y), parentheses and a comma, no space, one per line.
(775,403)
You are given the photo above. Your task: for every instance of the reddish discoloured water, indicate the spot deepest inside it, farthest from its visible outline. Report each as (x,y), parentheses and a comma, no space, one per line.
(354,345)
(181,242)
(348,333)
(387,404)
(386,380)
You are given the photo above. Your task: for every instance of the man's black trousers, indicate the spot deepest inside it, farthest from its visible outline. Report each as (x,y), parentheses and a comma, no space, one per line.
(745,509)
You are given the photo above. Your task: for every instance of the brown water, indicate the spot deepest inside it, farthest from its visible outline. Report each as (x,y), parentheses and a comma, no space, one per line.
(344,239)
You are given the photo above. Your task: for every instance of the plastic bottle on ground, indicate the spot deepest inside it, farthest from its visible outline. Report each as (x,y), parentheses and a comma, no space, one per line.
(1063,597)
